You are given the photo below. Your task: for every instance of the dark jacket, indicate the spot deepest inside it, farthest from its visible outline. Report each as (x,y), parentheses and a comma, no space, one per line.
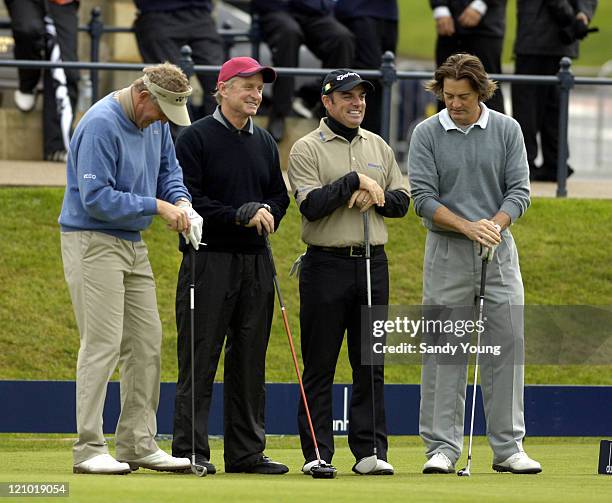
(381,9)
(493,23)
(145,6)
(311,7)
(539,24)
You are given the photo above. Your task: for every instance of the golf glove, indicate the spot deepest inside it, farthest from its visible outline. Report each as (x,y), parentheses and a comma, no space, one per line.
(487,252)
(195,230)
(247,211)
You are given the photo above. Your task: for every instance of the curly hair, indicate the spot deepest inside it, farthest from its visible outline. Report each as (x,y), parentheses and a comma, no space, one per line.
(165,75)
(462,66)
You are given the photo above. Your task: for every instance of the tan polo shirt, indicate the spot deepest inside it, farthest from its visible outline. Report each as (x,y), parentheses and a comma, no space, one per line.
(322,157)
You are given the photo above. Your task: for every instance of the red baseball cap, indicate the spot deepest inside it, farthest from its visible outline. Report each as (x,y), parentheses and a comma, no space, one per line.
(243,66)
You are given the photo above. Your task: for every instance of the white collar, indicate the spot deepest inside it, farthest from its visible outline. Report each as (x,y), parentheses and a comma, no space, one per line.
(448,124)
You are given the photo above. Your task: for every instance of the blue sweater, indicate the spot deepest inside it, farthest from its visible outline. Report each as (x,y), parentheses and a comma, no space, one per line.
(116,171)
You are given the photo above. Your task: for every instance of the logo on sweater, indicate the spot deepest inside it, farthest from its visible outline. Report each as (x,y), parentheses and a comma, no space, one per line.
(89,176)
(375,166)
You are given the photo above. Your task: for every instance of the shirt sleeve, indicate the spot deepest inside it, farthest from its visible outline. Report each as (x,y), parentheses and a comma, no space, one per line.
(397,199)
(170,186)
(96,167)
(314,199)
(276,196)
(423,175)
(516,175)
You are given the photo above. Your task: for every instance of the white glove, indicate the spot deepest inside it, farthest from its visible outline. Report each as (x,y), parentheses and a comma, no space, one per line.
(195,230)
(487,252)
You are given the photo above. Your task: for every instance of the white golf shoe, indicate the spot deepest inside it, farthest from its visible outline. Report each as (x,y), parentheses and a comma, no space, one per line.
(24,101)
(439,463)
(160,461)
(373,466)
(306,469)
(103,464)
(518,463)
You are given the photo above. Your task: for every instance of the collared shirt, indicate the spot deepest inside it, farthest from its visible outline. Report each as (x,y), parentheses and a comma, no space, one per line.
(449,124)
(322,157)
(218,115)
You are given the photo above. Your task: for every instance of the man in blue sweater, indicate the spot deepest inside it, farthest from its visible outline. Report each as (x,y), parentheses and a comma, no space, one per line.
(470,181)
(233,172)
(122,170)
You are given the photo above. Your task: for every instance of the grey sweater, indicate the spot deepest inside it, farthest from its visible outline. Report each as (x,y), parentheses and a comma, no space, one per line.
(474,175)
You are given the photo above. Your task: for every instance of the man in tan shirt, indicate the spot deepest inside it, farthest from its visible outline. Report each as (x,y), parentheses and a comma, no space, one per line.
(337,172)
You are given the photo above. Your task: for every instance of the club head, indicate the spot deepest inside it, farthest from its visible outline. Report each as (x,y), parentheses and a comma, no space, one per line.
(323,471)
(366,465)
(198,470)
(464,473)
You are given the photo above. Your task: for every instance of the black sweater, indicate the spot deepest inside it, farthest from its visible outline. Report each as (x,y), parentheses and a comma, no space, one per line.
(223,169)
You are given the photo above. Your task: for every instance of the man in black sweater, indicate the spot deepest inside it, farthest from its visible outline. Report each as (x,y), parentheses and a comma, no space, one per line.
(231,168)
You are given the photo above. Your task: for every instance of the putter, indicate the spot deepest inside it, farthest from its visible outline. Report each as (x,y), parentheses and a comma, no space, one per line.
(321,470)
(465,472)
(196,469)
(368,464)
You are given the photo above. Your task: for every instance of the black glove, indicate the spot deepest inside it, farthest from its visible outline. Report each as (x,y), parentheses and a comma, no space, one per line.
(247,211)
(578,30)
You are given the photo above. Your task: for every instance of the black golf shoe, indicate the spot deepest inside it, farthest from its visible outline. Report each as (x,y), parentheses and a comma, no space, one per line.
(263,465)
(201,460)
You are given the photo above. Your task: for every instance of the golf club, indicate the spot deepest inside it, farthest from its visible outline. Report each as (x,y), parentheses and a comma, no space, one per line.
(465,472)
(368,464)
(197,469)
(321,470)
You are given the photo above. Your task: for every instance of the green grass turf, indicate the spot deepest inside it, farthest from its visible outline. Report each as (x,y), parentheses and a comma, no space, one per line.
(570,475)
(564,247)
(417,33)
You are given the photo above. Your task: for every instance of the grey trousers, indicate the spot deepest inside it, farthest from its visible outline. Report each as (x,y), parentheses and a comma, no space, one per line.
(113,294)
(451,277)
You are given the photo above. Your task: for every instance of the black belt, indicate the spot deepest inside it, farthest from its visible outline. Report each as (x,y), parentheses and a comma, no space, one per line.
(348,251)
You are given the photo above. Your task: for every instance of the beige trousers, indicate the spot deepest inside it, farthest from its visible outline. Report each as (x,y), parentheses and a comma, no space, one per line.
(113,294)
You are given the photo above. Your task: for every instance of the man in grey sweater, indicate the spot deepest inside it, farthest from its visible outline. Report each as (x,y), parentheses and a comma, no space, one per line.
(470,181)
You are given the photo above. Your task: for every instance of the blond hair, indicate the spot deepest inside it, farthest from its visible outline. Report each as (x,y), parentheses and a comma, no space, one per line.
(462,66)
(165,75)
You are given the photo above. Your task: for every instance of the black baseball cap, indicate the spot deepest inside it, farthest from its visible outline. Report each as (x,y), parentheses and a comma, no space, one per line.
(344,80)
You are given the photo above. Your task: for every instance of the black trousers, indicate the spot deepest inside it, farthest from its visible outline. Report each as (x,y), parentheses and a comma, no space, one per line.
(234,302)
(373,38)
(487,49)
(33,42)
(536,108)
(285,32)
(160,36)
(332,291)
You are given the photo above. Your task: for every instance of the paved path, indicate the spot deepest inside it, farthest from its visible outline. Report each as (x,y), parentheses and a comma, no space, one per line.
(53,174)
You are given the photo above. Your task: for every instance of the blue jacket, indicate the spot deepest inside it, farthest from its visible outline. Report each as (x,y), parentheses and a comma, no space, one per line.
(116,171)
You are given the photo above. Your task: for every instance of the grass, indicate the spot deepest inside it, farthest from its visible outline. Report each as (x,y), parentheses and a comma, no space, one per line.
(564,246)
(417,34)
(570,467)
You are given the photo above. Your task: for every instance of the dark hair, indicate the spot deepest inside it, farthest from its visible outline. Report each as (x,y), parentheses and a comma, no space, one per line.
(462,66)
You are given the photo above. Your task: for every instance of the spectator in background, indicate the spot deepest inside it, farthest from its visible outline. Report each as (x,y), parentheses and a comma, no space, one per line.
(538,50)
(286,25)
(474,27)
(374,25)
(162,27)
(47,30)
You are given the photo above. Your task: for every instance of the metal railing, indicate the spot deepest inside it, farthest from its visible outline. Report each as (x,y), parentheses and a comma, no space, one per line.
(387,74)
(96,28)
